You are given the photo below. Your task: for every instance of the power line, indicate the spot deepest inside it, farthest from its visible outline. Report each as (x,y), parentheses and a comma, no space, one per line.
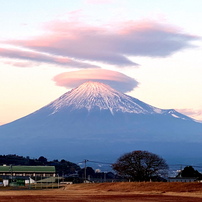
(95,162)
(101,162)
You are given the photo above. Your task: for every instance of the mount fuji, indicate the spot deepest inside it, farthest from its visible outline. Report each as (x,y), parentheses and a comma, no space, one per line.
(94,121)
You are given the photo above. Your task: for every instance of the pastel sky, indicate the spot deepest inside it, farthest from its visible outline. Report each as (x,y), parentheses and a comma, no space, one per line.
(151,50)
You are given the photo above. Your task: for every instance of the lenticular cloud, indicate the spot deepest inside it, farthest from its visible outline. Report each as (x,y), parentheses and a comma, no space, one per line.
(111,44)
(116,80)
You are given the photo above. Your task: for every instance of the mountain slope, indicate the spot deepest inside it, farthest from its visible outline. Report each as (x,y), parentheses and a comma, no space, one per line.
(91,95)
(94,119)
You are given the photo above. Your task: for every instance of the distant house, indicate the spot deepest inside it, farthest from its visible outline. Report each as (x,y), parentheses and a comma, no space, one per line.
(31,171)
(182,179)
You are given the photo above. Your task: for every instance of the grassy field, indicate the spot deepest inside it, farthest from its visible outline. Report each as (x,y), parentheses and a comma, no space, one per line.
(123,191)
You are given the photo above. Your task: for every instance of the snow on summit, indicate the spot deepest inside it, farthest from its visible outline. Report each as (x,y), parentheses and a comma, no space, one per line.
(92,95)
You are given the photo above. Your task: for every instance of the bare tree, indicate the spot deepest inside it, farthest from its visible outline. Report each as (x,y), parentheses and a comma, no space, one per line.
(140,166)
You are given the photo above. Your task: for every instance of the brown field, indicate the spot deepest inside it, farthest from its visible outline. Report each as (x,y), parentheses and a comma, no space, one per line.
(124,191)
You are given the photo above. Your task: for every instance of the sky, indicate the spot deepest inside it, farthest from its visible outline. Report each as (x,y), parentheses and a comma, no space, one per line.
(151,50)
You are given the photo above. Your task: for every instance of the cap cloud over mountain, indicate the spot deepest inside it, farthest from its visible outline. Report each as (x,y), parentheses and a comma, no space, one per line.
(94,120)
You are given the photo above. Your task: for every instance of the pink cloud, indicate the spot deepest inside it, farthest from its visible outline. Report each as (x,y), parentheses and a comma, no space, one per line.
(115,79)
(39,57)
(194,113)
(111,44)
(20,63)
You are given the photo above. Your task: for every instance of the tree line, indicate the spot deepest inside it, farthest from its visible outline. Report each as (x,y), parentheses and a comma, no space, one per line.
(62,167)
(133,166)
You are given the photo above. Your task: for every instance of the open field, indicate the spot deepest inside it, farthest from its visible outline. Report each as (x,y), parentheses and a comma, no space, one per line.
(126,192)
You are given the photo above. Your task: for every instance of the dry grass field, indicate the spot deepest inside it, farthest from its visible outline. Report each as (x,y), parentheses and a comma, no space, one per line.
(125,191)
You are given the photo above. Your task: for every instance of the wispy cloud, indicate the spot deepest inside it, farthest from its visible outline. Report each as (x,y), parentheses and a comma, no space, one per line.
(39,57)
(20,63)
(115,79)
(111,44)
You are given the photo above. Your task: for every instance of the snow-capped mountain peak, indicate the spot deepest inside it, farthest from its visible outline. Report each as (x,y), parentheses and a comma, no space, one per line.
(91,95)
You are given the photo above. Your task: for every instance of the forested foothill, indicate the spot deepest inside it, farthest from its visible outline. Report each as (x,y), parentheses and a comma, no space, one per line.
(62,167)
(68,170)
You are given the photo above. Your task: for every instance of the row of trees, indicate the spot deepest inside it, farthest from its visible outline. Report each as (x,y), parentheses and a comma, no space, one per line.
(63,167)
(133,166)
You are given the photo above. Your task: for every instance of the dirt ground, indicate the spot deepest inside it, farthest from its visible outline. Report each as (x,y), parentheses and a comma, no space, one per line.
(111,192)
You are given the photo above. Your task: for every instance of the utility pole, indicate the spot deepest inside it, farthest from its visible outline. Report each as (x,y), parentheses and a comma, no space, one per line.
(85,170)
(11,169)
(58,181)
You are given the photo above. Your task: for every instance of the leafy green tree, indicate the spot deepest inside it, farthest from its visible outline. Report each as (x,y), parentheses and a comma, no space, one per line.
(189,171)
(89,172)
(65,167)
(42,159)
(140,166)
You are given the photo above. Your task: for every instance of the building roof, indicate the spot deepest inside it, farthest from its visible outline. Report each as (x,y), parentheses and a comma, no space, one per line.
(35,169)
(50,180)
